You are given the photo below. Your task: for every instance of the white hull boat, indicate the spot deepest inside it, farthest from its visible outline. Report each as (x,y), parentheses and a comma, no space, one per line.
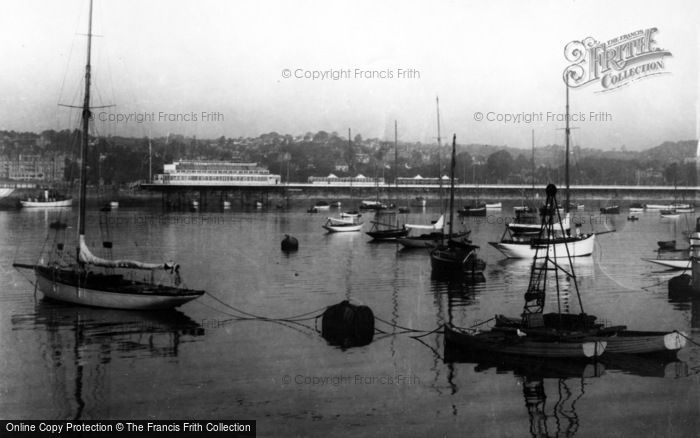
(139,300)
(533,228)
(45,204)
(578,247)
(342,225)
(667,206)
(89,280)
(672,263)
(5,192)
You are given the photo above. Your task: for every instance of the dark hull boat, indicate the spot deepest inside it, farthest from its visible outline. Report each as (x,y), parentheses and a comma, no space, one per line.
(513,342)
(618,339)
(391,234)
(432,240)
(386,226)
(554,334)
(611,209)
(453,257)
(456,257)
(667,245)
(474,210)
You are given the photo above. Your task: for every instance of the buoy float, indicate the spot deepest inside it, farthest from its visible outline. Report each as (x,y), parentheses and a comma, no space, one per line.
(348,325)
(289,243)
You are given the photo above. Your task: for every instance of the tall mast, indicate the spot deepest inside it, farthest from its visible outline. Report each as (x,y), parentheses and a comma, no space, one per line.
(452,183)
(439,140)
(351,158)
(150,161)
(533,163)
(85,135)
(566,166)
(396,156)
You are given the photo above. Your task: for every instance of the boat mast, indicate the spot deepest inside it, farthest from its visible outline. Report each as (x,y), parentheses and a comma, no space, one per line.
(150,161)
(85,137)
(533,164)
(452,184)
(566,165)
(439,140)
(396,164)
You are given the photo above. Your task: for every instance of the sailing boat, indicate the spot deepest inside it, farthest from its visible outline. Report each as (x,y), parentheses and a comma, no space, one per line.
(79,281)
(455,256)
(558,334)
(518,240)
(47,198)
(385,225)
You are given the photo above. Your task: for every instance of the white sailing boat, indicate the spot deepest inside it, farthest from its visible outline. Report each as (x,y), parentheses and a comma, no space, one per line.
(48,198)
(522,245)
(91,280)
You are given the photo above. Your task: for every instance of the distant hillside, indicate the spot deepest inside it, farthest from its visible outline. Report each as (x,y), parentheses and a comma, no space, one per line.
(553,155)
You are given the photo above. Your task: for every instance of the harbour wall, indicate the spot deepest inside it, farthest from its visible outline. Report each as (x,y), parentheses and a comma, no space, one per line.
(275,195)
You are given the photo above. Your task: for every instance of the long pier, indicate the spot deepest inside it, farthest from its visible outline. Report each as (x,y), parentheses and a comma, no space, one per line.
(180,195)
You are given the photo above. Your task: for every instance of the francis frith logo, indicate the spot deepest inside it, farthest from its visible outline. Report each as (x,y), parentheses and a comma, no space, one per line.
(616,62)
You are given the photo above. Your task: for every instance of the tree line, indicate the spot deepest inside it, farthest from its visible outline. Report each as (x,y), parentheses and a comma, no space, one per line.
(122,160)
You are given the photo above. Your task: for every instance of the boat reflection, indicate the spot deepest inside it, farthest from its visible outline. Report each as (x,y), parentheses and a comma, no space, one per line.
(565,380)
(685,303)
(79,343)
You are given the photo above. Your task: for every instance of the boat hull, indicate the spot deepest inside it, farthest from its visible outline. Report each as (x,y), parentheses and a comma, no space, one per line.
(341,228)
(512,344)
(44,204)
(525,250)
(631,342)
(472,211)
(388,234)
(429,240)
(610,210)
(108,299)
(5,192)
(672,263)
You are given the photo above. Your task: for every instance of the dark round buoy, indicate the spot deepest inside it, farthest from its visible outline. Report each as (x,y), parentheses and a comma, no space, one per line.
(289,243)
(348,325)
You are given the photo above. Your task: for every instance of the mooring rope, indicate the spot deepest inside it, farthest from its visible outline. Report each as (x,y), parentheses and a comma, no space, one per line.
(429,333)
(686,337)
(286,323)
(295,318)
(390,324)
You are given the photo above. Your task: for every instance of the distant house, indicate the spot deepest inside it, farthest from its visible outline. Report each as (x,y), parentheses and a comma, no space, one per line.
(359,180)
(30,167)
(340,167)
(362,158)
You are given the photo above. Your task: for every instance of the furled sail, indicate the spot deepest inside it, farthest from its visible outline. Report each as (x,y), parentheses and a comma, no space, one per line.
(437,226)
(86,256)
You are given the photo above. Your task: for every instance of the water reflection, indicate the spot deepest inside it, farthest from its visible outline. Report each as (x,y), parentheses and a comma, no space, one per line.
(552,388)
(80,343)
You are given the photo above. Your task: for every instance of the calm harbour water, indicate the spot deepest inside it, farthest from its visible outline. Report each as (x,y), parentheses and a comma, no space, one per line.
(59,361)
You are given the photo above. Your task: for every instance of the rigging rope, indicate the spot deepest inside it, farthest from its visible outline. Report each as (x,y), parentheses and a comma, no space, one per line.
(687,338)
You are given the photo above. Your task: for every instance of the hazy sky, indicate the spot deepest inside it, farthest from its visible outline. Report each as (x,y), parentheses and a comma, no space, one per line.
(228,57)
